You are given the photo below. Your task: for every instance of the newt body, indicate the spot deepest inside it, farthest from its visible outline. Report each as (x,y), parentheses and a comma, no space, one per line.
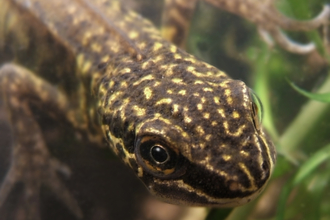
(191,133)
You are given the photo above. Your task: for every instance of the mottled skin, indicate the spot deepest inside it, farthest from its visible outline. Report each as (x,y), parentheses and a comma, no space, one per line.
(199,112)
(107,72)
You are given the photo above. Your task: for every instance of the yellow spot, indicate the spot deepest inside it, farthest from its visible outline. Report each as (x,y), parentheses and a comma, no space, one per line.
(226,157)
(157,46)
(173,49)
(158,58)
(244,153)
(199,106)
(148,77)
(216,100)
(177,56)
(220,73)
(142,45)
(187,119)
(177,81)
(111,84)
(169,71)
(203,99)
(164,101)
(140,172)
(225,124)
(238,132)
(123,84)
(191,59)
(102,91)
(139,111)
(175,108)
(105,58)
(121,111)
(221,112)
(227,92)
(114,48)
(206,115)
(181,131)
(114,96)
(96,47)
(80,59)
(144,65)
(208,137)
(130,127)
(229,100)
(165,120)
(200,130)
(85,39)
(208,89)
(196,94)
(163,67)
(182,92)
(126,70)
(147,92)
(86,66)
(169,91)
(224,84)
(133,34)
(190,68)
(214,123)
(198,82)
(235,114)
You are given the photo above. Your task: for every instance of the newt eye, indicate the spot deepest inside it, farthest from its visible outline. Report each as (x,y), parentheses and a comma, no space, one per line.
(257,110)
(159,154)
(156,156)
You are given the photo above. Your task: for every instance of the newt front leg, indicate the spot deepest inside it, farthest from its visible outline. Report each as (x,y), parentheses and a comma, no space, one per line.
(31,163)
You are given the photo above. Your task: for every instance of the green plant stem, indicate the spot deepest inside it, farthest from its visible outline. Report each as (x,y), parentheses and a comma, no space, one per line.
(262,89)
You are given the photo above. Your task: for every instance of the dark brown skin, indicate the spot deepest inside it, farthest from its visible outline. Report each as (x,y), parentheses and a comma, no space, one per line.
(189,132)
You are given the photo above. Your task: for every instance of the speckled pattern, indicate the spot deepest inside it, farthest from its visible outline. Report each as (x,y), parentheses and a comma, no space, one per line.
(114,75)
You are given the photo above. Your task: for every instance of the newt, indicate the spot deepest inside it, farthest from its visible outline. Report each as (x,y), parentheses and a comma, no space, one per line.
(191,133)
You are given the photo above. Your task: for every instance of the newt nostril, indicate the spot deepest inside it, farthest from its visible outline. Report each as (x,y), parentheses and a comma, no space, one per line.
(265,165)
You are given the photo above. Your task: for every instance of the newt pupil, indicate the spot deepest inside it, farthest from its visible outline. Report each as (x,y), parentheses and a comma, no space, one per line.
(159,154)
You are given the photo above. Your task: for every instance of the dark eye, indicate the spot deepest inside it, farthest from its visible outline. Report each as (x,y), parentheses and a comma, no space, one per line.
(157,157)
(159,154)
(257,110)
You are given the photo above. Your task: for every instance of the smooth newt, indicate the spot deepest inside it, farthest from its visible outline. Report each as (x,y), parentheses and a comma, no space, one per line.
(190,133)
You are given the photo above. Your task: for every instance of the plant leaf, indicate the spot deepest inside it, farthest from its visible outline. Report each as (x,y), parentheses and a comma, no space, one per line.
(324,97)
(307,168)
